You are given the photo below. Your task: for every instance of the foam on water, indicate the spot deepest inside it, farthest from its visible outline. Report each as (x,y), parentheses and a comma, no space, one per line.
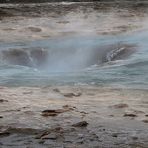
(69,66)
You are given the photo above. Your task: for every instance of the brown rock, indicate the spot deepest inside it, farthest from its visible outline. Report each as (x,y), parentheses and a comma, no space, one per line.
(3,134)
(2,100)
(130,115)
(145,120)
(46,113)
(69,107)
(121,105)
(70,95)
(34,29)
(115,135)
(80,124)
(55,112)
(28,92)
(134,137)
(42,134)
(63,22)
(50,136)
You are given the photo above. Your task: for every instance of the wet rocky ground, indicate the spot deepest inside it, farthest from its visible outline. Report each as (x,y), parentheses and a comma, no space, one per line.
(73,117)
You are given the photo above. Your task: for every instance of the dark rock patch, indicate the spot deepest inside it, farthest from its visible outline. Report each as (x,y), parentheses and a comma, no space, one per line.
(145,120)
(118,106)
(34,29)
(2,100)
(80,124)
(55,112)
(129,115)
(70,95)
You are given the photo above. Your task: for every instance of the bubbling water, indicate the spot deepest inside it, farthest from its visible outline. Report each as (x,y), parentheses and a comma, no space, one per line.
(65,59)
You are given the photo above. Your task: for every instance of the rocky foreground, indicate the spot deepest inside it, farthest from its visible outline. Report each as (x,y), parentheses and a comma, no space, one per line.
(73,117)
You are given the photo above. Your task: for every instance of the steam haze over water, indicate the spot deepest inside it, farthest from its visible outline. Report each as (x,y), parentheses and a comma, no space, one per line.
(73,60)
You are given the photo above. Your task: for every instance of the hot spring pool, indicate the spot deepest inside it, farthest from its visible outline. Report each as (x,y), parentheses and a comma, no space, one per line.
(77,60)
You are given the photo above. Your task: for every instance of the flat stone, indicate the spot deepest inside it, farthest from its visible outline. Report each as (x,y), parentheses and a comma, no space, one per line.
(121,105)
(2,100)
(80,124)
(129,115)
(50,136)
(145,120)
(70,95)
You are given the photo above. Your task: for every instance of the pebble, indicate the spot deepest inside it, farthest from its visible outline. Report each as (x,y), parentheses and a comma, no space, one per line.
(121,105)
(2,100)
(80,124)
(72,95)
(114,135)
(129,115)
(145,120)
(50,136)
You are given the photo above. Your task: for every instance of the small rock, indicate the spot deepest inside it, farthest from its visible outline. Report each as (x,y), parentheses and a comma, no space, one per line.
(41,141)
(80,124)
(55,112)
(134,137)
(69,107)
(111,115)
(82,112)
(80,136)
(69,139)
(1,116)
(50,136)
(145,120)
(94,137)
(121,105)
(56,90)
(80,141)
(2,100)
(42,134)
(129,115)
(114,135)
(34,29)
(5,133)
(29,112)
(46,113)
(28,92)
(138,112)
(63,22)
(72,95)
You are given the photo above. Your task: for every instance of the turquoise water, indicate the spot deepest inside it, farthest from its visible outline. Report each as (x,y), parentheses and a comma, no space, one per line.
(131,72)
